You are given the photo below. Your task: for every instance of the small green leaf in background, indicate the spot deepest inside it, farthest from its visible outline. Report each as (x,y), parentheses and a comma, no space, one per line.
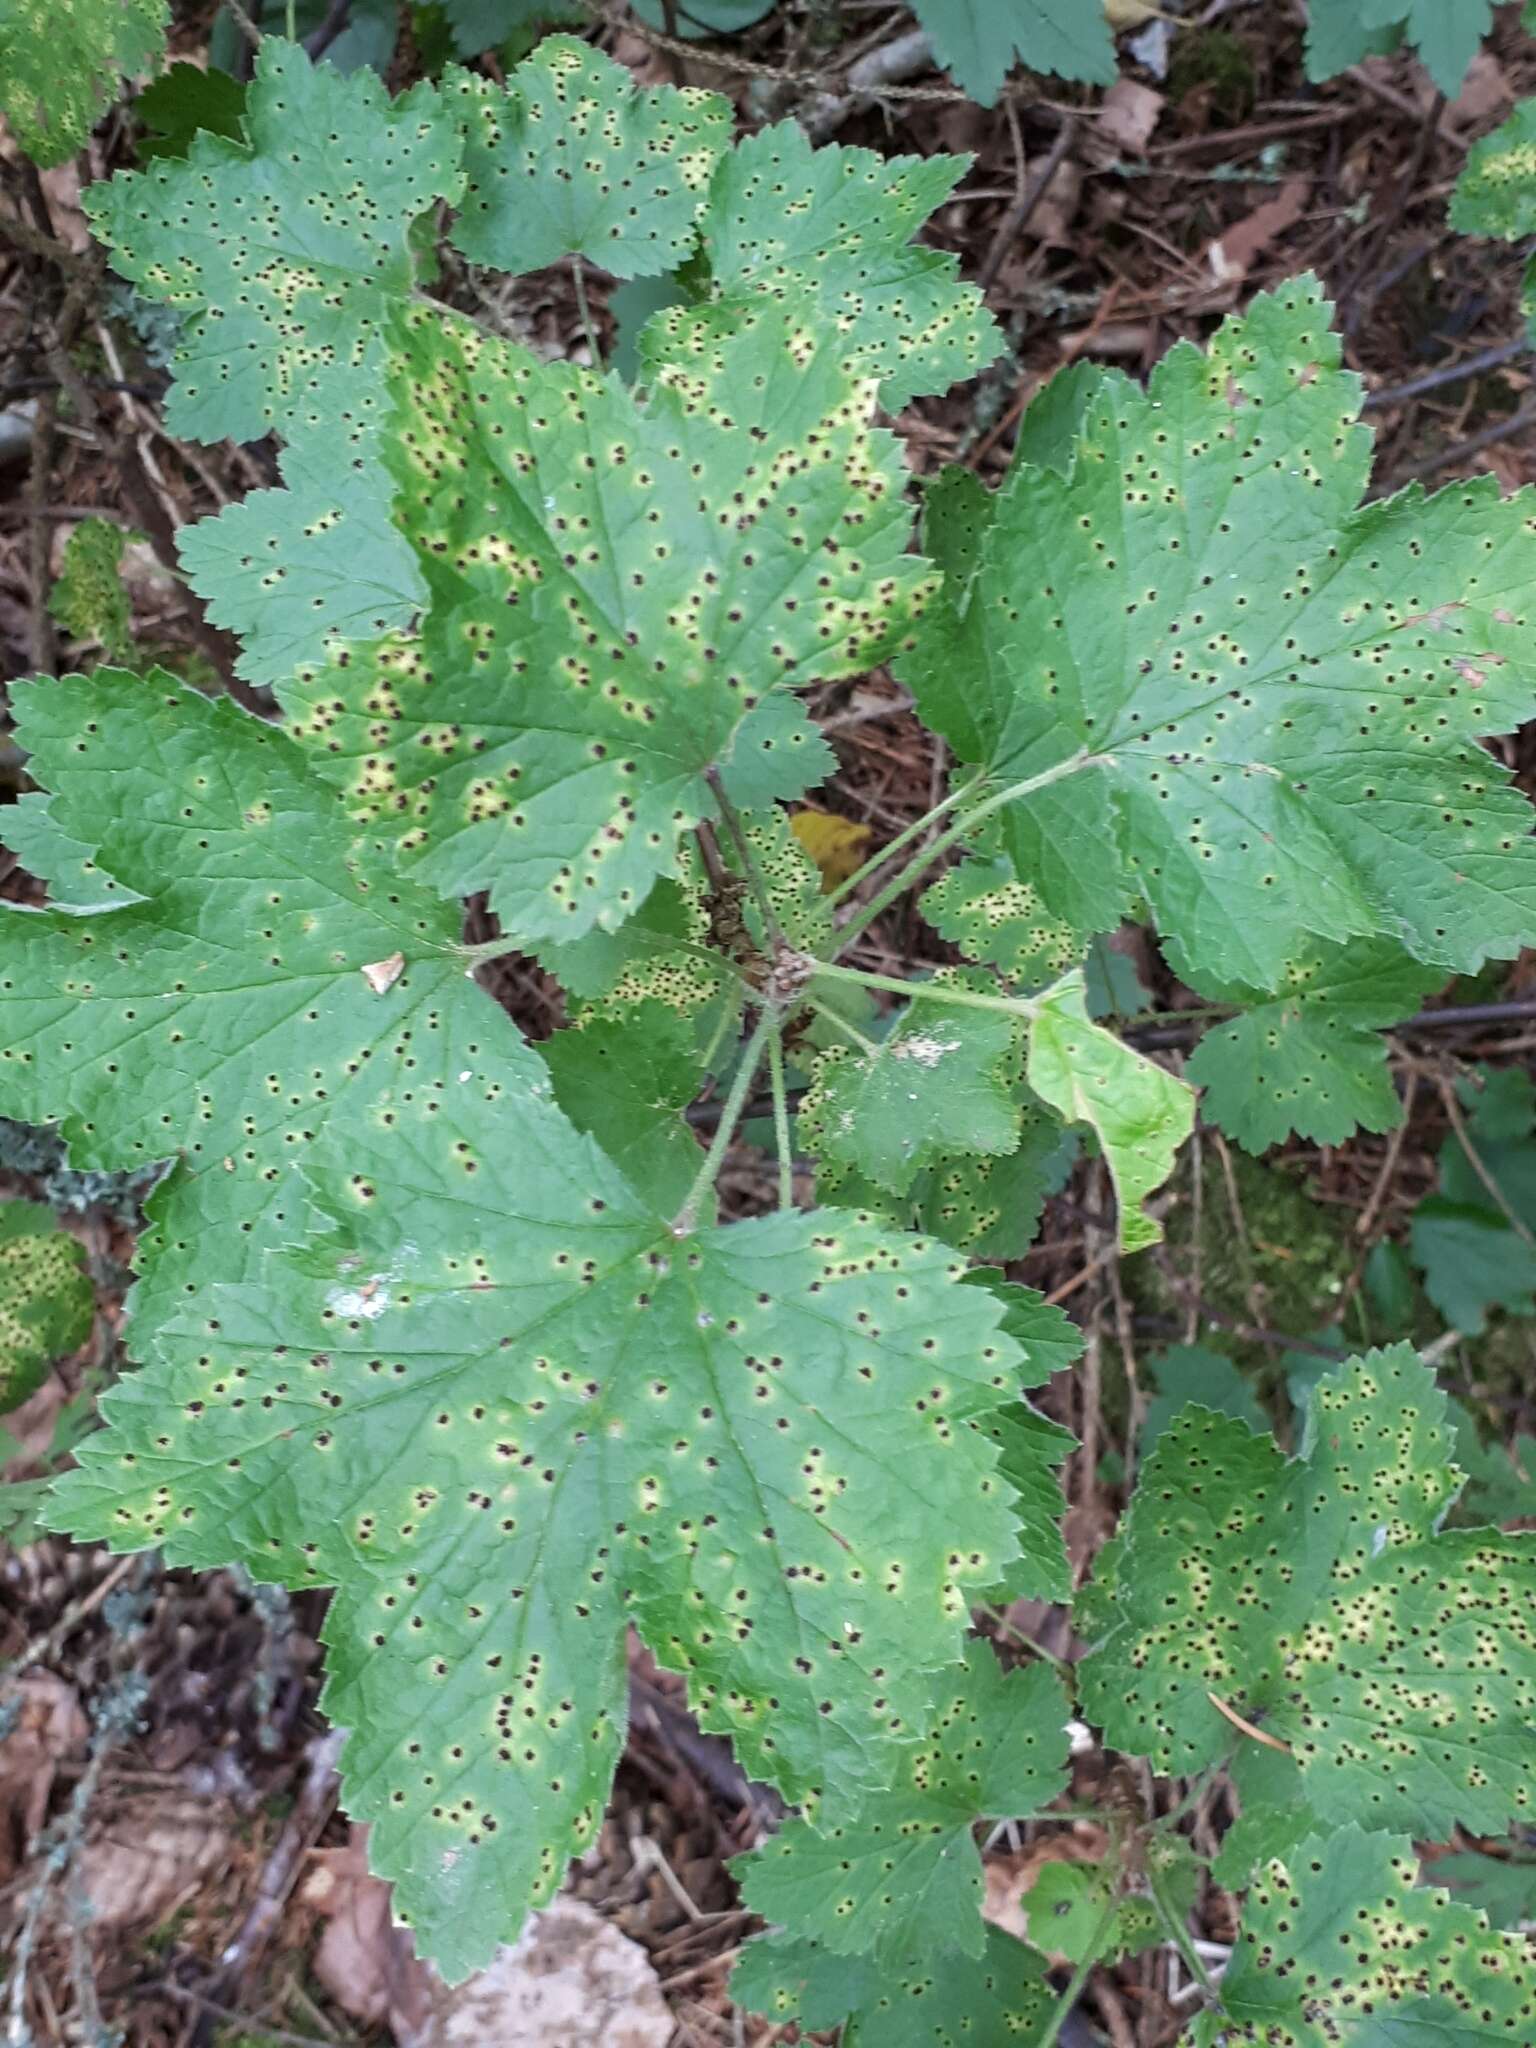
(573,158)
(1310,1059)
(1445,33)
(1079,1910)
(46,1302)
(627,1084)
(1112,985)
(1139,1112)
(979,41)
(60,63)
(1472,1256)
(89,599)
(184,101)
(1502,1887)
(699,18)
(1339,1944)
(1186,1373)
(981,906)
(478,25)
(1471,1261)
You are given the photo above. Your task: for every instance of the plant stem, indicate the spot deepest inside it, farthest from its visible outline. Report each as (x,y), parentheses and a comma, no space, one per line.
(850,1031)
(731,818)
(1021,1007)
(1014,793)
(1179,1935)
(781,1122)
(1068,2000)
(894,846)
(730,1117)
(585,311)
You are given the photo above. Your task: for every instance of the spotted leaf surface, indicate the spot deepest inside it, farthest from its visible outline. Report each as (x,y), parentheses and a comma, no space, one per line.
(833,227)
(1340,1947)
(983,907)
(60,65)
(1446,34)
(626,1083)
(288,253)
(980,41)
(222,1016)
(929,2000)
(1140,1113)
(901,1871)
(1311,1060)
(502,1408)
(936,1085)
(572,158)
(46,1303)
(1259,703)
(623,596)
(1496,193)
(1320,1598)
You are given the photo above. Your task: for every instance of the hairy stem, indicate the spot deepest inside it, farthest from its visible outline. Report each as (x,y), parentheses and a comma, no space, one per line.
(584,310)
(849,1031)
(781,1122)
(730,1116)
(1015,792)
(731,818)
(1178,1933)
(1022,1007)
(1065,2005)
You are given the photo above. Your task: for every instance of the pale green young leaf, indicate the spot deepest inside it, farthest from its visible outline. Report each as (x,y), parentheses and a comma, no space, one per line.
(624,596)
(936,1086)
(286,254)
(61,62)
(223,1014)
(1276,695)
(573,158)
(46,1302)
(1341,1947)
(1311,1060)
(626,1084)
(1302,1593)
(929,2000)
(1140,1113)
(1446,34)
(503,1408)
(979,41)
(833,228)
(899,1873)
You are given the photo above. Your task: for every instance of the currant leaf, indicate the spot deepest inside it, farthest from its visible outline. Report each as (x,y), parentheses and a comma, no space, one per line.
(979,41)
(287,253)
(626,1084)
(623,597)
(572,158)
(223,1014)
(502,1408)
(46,1302)
(60,66)
(1234,693)
(833,228)
(1302,1594)
(900,1873)
(982,907)
(1140,1113)
(1340,1947)
(1310,1061)
(926,2001)
(935,1086)
(1496,192)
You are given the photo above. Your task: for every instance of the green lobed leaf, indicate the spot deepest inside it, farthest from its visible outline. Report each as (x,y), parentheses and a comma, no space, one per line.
(1496,192)
(1471,1262)
(502,1409)
(1446,34)
(289,253)
(937,1085)
(626,1084)
(223,1014)
(899,1873)
(1319,1597)
(573,158)
(74,878)
(184,101)
(1193,1373)
(1250,700)
(46,1301)
(1139,1112)
(926,2001)
(60,64)
(832,228)
(981,906)
(623,596)
(1310,1060)
(978,41)
(1339,1947)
